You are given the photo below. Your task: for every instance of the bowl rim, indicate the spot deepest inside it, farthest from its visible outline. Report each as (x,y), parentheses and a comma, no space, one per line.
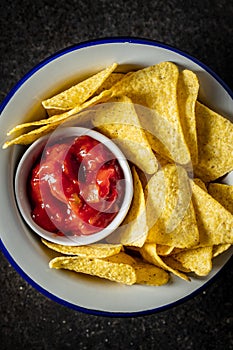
(57,54)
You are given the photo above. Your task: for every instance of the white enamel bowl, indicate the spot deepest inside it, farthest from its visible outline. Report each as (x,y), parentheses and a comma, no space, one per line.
(23,247)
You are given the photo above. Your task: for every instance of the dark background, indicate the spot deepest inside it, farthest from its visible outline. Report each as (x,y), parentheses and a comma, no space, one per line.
(29,32)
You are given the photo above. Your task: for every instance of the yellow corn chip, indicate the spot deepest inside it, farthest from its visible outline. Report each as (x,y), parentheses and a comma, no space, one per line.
(133,230)
(200,183)
(163,161)
(187,92)
(105,95)
(97,250)
(150,274)
(121,258)
(219,249)
(198,260)
(170,215)
(79,93)
(31,136)
(112,79)
(215,223)
(177,250)
(117,272)
(118,120)
(215,144)
(155,88)
(175,264)
(51,123)
(223,194)
(164,249)
(149,253)
(143,178)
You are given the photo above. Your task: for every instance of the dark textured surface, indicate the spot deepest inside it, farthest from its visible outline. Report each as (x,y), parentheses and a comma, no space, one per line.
(31,31)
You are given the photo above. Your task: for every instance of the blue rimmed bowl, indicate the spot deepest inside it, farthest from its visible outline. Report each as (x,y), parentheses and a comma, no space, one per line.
(21,246)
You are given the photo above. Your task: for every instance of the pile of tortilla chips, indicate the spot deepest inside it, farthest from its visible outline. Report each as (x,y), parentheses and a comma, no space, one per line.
(181,216)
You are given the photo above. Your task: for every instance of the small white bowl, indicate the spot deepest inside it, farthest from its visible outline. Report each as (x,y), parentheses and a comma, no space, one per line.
(21,183)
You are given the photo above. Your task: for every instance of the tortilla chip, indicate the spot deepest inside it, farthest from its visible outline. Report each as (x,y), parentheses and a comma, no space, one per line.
(164,249)
(61,117)
(149,253)
(51,123)
(79,93)
(112,79)
(223,194)
(133,230)
(121,258)
(143,177)
(175,264)
(97,250)
(31,136)
(118,120)
(219,249)
(155,88)
(215,144)
(170,214)
(150,274)
(162,161)
(200,183)
(215,223)
(198,260)
(187,92)
(117,272)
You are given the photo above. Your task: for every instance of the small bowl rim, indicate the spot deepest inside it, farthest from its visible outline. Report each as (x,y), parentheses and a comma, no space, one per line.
(23,203)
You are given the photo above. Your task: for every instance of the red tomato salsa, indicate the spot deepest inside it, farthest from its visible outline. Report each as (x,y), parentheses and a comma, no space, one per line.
(76,187)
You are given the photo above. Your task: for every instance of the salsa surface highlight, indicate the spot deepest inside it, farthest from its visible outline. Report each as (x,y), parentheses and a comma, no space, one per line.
(75,187)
